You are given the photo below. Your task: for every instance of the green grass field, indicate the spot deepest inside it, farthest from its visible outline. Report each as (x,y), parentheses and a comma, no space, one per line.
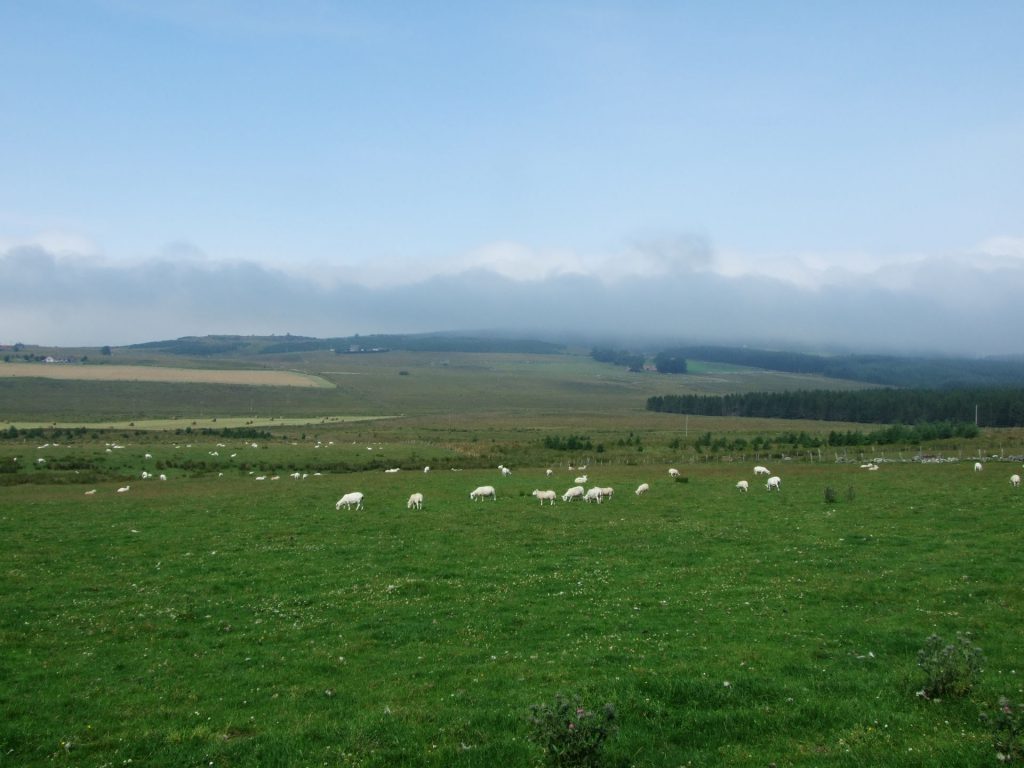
(238,622)
(217,619)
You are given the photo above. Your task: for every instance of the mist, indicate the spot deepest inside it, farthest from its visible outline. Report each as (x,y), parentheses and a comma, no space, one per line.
(937,306)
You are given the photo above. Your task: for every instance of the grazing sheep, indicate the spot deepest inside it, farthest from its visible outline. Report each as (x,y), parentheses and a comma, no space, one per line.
(607,492)
(774,482)
(163,477)
(759,470)
(642,489)
(426,470)
(354,499)
(548,496)
(415,501)
(673,472)
(505,471)
(483,492)
(593,494)
(977,466)
(1015,481)
(743,485)
(548,472)
(576,492)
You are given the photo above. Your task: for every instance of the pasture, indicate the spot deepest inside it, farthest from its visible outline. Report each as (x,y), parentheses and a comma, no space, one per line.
(233,622)
(217,619)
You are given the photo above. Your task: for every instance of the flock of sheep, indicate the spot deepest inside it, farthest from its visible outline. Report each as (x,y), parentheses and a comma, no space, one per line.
(595,494)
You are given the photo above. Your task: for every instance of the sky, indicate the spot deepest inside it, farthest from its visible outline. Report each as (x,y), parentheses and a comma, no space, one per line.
(833,175)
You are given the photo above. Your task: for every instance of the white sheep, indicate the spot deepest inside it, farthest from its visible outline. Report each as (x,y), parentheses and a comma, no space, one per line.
(580,480)
(483,492)
(642,489)
(124,489)
(1015,481)
(548,472)
(548,496)
(392,470)
(743,485)
(977,466)
(593,494)
(505,471)
(354,499)
(607,492)
(759,470)
(90,493)
(163,477)
(576,492)
(426,470)
(673,472)
(774,482)
(415,501)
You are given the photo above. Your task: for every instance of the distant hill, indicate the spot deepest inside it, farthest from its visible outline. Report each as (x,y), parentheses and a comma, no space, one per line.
(890,370)
(235,346)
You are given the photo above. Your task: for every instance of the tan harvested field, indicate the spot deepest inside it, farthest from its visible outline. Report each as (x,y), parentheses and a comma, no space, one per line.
(67,372)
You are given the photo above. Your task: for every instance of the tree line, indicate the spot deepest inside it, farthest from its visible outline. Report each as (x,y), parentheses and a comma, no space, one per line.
(985,407)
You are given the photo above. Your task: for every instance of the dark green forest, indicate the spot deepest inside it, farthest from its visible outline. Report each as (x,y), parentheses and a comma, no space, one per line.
(993,407)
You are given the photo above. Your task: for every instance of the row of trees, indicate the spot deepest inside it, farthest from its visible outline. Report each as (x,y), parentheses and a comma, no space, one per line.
(986,407)
(632,360)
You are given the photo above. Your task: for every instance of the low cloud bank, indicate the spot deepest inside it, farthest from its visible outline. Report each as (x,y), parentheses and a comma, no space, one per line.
(957,305)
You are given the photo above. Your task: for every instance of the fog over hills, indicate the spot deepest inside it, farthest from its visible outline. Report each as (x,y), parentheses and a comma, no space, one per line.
(964,305)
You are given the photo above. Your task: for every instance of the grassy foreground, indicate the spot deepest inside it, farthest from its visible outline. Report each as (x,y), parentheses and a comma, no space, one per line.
(230,622)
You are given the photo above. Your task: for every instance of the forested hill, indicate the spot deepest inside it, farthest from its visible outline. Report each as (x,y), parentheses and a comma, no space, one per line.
(912,372)
(991,407)
(275,345)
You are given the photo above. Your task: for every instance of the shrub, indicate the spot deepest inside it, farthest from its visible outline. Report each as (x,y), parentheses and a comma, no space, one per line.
(830,495)
(569,733)
(951,669)
(1007,730)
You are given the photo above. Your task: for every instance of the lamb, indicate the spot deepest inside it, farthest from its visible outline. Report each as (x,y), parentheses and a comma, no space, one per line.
(483,492)
(759,470)
(743,485)
(774,482)
(349,500)
(1015,481)
(415,501)
(576,492)
(673,472)
(642,489)
(977,466)
(548,496)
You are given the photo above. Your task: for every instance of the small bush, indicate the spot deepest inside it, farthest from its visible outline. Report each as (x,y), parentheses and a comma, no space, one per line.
(831,497)
(951,669)
(569,733)
(1007,730)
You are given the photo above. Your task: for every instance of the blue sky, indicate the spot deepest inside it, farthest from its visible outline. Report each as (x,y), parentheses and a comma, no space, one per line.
(865,158)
